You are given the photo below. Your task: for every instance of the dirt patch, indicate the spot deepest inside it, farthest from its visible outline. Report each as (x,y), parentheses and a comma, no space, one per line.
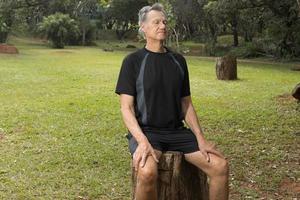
(4,48)
(285,98)
(286,103)
(19,129)
(288,186)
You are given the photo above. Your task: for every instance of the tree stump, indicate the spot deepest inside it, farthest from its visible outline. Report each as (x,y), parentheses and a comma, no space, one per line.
(177,179)
(4,48)
(296,92)
(226,68)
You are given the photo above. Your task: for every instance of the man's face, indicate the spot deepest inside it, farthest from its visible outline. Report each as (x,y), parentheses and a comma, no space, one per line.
(155,26)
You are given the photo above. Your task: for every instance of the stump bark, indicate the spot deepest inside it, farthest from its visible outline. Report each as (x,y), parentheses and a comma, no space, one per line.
(226,68)
(4,48)
(296,92)
(177,179)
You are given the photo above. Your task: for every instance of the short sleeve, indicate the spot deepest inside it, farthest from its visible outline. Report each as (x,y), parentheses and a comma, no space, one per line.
(126,81)
(185,91)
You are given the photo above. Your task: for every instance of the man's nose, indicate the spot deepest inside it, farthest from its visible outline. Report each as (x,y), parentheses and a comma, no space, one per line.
(162,25)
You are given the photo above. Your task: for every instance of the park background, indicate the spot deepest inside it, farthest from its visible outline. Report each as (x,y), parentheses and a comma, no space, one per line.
(61,132)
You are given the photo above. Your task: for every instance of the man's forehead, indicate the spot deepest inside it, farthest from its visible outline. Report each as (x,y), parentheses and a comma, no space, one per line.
(154,14)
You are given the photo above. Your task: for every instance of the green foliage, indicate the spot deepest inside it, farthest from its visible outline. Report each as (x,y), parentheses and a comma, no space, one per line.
(244,50)
(210,48)
(4,29)
(124,15)
(86,13)
(273,26)
(7,16)
(58,28)
(284,31)
(248,50)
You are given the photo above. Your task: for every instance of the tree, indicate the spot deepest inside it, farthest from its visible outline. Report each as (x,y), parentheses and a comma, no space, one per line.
(7,16)
(213,19)
(171,23)
(85,11)
(124,15)
(4,29)
(228,10)
(285,27)
(189,17)
(58,28)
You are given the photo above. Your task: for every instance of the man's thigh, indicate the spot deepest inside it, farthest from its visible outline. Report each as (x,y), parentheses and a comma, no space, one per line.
(212,167)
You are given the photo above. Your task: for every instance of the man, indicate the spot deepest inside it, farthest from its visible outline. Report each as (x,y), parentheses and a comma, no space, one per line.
(155,98)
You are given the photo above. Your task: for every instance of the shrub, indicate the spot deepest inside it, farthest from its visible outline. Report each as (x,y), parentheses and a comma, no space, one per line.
(248,50)
(58,28)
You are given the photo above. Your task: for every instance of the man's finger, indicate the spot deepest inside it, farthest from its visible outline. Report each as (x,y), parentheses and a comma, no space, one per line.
(154,156)
(205,154)
(143,161)
(208,156)
(216,152)
(136,161)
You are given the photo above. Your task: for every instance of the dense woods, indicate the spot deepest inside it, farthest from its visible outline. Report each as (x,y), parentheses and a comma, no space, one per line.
(258,27)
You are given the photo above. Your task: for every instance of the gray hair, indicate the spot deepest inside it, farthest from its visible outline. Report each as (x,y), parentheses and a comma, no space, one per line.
(145,10)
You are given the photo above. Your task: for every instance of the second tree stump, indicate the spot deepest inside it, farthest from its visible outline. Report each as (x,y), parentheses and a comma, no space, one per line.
(226,68)
(177,179)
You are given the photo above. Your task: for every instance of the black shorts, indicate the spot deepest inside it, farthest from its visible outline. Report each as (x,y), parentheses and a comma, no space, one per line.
(182,140)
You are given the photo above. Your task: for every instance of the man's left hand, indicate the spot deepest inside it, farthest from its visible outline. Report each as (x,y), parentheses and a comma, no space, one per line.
(207,148)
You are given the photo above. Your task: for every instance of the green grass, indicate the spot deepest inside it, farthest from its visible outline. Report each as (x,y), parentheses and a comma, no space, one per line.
(62,136)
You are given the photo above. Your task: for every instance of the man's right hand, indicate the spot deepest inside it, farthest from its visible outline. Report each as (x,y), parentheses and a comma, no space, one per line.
(141,153)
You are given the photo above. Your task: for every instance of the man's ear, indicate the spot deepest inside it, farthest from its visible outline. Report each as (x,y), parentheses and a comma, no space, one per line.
(143,27)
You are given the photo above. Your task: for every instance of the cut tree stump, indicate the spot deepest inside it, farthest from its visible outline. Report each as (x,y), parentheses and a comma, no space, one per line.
(296,92)
(4,48)
(177,179)
(226,68)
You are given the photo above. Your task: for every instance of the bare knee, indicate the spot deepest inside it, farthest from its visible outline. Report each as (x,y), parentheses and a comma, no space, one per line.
(147,175)
(220,167)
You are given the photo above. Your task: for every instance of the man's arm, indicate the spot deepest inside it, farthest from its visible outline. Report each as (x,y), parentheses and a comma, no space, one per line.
(190,117)
(144,148)
(128,114)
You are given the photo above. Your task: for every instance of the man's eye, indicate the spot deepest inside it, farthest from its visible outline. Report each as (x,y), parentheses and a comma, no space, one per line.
(156,22)
(165,22)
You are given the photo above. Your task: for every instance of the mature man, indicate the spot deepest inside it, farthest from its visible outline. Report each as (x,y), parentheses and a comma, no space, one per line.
(155,99)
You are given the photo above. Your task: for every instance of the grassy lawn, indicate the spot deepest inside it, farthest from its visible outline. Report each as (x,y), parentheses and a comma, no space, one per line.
(62,136)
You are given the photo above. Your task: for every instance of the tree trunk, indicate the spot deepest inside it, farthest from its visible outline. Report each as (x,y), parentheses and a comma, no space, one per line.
(226,68)
(177,179)
(234,25)
(246,36)
(3,37)
(83,36)
(176,38)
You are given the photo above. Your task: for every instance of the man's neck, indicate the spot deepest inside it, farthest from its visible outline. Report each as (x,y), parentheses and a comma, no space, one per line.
(155,46)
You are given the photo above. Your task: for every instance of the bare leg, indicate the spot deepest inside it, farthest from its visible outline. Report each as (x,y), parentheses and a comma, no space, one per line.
(217,170)
(146,188)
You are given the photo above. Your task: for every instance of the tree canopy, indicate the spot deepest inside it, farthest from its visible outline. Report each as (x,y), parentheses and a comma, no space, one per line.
(267,26)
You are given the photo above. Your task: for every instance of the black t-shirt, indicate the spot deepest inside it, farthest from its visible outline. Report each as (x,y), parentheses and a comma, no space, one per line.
(158,81)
